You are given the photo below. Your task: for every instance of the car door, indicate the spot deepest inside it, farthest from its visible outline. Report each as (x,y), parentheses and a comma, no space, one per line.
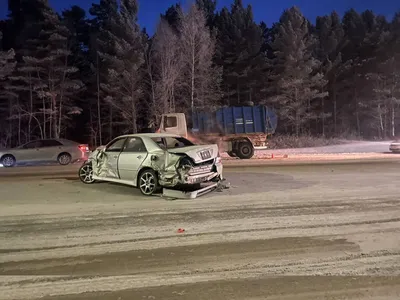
(30,152)
(110,160)
(50,149)
(131,158)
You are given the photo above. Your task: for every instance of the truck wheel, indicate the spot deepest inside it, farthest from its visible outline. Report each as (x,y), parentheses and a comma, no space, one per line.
(231,154)
(245,150)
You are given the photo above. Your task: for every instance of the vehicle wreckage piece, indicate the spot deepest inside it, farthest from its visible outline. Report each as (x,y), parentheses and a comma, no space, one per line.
(178,169)
(180,194)
(175,169)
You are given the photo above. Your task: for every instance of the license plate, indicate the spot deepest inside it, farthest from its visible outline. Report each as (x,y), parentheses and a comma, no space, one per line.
(205,155)
(198,180)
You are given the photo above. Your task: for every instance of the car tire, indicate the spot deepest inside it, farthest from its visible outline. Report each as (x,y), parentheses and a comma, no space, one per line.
(8,161)
(147,182)
(231,154)
(64,159)
(85,173)
(245,150)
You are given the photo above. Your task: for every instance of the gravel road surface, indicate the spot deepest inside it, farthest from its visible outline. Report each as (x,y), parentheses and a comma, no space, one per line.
(304,232)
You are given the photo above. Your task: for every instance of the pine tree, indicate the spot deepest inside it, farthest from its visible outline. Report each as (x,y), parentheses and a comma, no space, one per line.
(7,65)
(331,41)
(385,75)
(100,46)
(172,16)
(296,70)
(7,62)
(208,7)
(148,111)
(57,83)
(364,33)
(25,17)
(125,65)
(240,41)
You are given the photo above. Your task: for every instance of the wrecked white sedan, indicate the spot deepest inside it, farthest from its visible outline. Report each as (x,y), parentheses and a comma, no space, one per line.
(152,161)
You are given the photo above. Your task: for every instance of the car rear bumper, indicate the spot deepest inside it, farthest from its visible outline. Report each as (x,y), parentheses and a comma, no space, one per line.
(204,173)
(200,178)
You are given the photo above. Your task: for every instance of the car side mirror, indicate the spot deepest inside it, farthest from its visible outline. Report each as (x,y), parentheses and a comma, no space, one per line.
(154,157)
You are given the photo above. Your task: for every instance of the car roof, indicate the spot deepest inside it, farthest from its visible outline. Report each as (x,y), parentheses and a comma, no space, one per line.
(150,135)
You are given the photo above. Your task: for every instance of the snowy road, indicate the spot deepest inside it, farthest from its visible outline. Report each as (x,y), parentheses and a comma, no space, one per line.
(352,147)
(268,236)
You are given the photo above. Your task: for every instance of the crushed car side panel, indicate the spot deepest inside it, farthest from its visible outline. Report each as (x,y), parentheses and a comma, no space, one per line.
(165,164)
(101,164)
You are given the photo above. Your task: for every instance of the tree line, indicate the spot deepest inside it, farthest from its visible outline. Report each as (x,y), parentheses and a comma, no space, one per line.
(90,77)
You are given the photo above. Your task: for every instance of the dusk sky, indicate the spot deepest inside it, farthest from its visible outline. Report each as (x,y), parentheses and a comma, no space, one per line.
(264,10)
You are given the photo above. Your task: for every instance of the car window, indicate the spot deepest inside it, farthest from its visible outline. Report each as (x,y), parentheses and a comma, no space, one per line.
(116,146)
(177,142)
(170,122)
(134,144)
(32,145)
(159,141)
(51,143)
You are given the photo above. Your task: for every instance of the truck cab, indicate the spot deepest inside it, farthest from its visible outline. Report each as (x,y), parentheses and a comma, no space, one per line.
(174,123)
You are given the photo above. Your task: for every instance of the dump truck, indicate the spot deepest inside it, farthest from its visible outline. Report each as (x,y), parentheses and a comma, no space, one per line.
(237,130)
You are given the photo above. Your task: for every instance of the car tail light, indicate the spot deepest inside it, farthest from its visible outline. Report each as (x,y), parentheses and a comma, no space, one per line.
(84,148)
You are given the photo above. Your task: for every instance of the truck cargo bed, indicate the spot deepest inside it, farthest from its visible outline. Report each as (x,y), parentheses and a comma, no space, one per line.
(236,121)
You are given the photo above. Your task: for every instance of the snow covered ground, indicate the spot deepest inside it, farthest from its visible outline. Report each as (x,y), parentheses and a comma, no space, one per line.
(351,147)
(266,237)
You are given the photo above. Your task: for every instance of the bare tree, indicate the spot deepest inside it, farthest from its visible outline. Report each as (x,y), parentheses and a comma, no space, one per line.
(168,68)
(200,78)
(386,88)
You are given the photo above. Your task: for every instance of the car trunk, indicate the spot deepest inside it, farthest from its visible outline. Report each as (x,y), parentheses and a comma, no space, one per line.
(199,153)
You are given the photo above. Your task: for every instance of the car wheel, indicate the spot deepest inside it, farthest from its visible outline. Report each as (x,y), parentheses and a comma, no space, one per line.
(245,150)
(148,182)
(64,159)
(86,173)
(8,161)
